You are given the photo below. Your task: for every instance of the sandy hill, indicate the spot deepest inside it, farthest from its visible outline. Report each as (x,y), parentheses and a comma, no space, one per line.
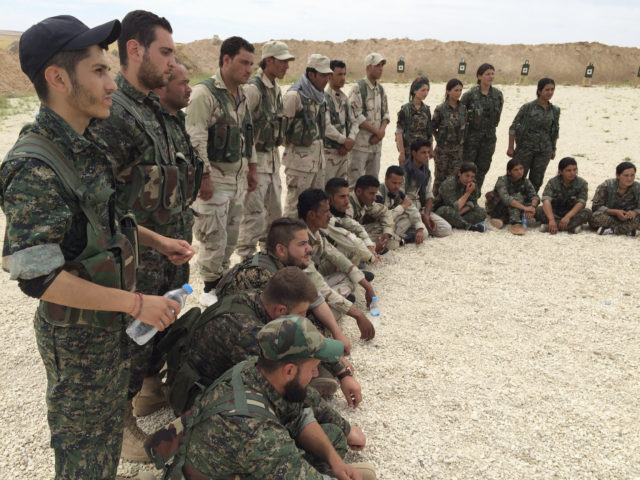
(439,60)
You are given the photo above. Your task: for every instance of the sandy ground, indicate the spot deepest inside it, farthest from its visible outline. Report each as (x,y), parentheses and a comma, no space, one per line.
(497,357)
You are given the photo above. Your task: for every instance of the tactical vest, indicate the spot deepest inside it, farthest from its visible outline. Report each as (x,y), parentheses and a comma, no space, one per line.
(156,191)
(447,127)
(362,84)
(269,126)
(407,120)
(108,259)
(334,116)
(226,136)
(305,128)
(260,259)
(191,172)
(612,191)
(170,444)
(185,383)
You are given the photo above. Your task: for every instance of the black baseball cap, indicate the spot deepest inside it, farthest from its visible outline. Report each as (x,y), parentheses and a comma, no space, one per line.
(62,33)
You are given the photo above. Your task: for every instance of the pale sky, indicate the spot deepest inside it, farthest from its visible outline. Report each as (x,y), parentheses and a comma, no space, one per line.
(612,22)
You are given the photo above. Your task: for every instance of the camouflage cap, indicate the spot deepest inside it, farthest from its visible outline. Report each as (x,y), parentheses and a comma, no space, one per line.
(374,59)
(319,63)
(293,336)
(277,50)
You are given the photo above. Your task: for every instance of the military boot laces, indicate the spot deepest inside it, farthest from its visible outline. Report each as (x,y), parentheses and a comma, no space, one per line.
(133,439)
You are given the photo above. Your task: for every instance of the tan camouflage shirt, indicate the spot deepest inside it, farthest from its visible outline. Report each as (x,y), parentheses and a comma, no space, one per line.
(393,202)
(376,104)
(303,159)
(376,213)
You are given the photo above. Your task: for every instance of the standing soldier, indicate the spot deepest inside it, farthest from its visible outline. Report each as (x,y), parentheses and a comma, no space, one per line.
(484,107)
(150,178)
(262,206)
(341,130)
(219,123)
(65,245)
(369,104)
(304,106)
(414,120)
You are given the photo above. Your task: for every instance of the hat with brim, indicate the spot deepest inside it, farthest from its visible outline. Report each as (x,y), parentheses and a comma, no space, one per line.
(374,59)
(319,63)
(277,50)
(62,33)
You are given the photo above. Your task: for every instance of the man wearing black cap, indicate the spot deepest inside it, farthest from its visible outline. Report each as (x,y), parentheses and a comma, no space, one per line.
(66,247)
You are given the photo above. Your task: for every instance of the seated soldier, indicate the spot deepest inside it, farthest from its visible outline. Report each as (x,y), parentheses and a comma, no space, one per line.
(405,215)
(344,232)
(616,203)
(457,200)
(332,273)
(375,218)
(259,420)
(417,186)
(563,200)
(511,198)
(226,333)
(287,245)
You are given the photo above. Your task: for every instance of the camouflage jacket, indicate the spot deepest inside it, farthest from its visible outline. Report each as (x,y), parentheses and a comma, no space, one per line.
(563,199)
(483,111)
(449,125)
(257,447)
(351,245)
(340,219)
(607,196)
(393,202)
(507,189)
(300,157)
(413,124)
(535,127)
(450,192)
(253,273)
(375,213)
(376,109)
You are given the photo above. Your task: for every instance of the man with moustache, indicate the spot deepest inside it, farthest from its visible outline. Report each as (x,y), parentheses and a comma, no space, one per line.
(219,124)
(263,206)
(149,179)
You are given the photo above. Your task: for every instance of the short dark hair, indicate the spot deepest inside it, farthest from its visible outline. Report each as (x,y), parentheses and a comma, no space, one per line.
(468,167)
(290,287)
(263,63)
(394,170)
(310,70)
(310,200)
(565,162)
(418,143)
(337,63)
(68,61)
(335,184)
(270,366)
(624,166)
(282,231)
(483,68)
(232,46)
(139,25)
(367,181)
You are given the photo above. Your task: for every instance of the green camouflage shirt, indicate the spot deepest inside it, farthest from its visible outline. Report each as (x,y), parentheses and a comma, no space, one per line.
(448,124)
(602,198)
(562,198)
(250,274)
(258,448)
(483,111)
(450,192)
(418,125)
(535,127)
(506,189)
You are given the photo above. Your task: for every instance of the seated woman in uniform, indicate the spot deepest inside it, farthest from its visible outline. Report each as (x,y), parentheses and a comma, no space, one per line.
(513,196)
(616,204)
(457,200)
(563,200)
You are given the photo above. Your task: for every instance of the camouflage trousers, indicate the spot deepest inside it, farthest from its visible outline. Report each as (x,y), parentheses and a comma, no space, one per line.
(580,218)
(87,374)
(535,163)
(261,207)
(474,216)
(298,182)
(339,441)
(403,226)
(478,149)
(363,163)
(507,213)
(447,161)
(216,227)
(339,282)
(351,247)
(375,230)
(336,165)
(619,228)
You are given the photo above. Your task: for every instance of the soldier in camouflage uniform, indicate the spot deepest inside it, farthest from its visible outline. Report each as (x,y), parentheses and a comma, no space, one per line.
(259,420)
(484,106)
(371,110)
(616,203)
(563,200)
(68,246)
(263,205)
(449,123)
(331,272)
(304,106)
(341,129)
(219,123)
(535,131)
(514,197)
(414,120)
(150,178)
(457,201)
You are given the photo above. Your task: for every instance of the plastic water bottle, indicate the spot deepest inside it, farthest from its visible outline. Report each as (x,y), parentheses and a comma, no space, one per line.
(525,222)
(140,332)
(374,311)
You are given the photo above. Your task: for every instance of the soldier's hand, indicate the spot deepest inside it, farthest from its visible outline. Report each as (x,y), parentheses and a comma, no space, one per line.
(349,143)
(356,439)
(176,250)
(367,330)
(252,180)
(402,158)
(352,391)
(345,340)
(471,186)
(564,223)
(342,151)
(510,152)
(376,257)
(406,203)
(374,140)
(419,236)
(206,189)
(621,215)
(158,311)
(553,227)
(429,222)
(381,243)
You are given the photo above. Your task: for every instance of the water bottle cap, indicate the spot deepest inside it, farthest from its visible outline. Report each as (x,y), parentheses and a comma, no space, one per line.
(374,298)
(187,288)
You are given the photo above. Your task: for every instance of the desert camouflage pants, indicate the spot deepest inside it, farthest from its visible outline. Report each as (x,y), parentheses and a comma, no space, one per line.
(261,207)
(375,230)
(619,228)
(478,149)
(339,282)
(363,163)
(403,226)
(87,375)
(535,163)
(351,247)
(336,165)
(578,219)
(474,216)
(447,162)
(298,182)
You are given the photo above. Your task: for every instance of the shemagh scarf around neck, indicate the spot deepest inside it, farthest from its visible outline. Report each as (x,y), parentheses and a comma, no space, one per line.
(306,88)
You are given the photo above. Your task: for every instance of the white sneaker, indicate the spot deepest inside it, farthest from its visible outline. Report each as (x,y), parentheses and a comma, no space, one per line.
(578,229)
(544,228)
(208,298)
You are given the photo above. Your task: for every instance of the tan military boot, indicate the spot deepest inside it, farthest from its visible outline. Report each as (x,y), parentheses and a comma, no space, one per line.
(324,383)
(133,439)
(150,398)
(497,223)
(516,229)
(367,470)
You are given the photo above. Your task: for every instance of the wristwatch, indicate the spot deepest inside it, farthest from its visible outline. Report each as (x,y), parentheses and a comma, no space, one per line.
(346,373)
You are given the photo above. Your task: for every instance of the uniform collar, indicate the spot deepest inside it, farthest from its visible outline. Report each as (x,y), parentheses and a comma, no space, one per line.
(130,91)
(371,85)
(261,384)
(219,83)
(267,83)
(61,130)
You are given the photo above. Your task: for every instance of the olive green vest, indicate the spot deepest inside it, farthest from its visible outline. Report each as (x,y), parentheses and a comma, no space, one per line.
(306,127)
(269,126)
(334,116)
(612,191)
(362,84)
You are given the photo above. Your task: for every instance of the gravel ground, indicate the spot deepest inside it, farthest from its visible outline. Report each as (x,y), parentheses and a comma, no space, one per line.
(497,356)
